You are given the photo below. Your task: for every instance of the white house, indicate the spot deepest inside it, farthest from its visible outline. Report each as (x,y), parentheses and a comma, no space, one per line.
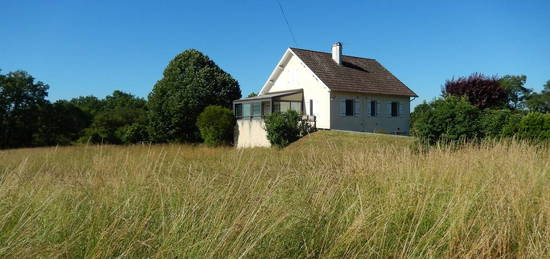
(336,91)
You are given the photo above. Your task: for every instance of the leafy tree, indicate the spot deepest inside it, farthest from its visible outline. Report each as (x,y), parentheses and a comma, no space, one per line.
(284,128)
(252,94)
(516,93)
(89,104)
(418,111)
(190,83)
(121,118)
(134,133)
(60,123)
(480,90)
(216,125)
(20,101)
(540,102)
(448,119)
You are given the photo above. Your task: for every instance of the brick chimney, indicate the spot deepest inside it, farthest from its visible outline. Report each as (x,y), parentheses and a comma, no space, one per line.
(337,53)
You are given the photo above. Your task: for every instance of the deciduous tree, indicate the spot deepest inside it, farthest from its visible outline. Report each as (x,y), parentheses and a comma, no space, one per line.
(480,90)
(190,82)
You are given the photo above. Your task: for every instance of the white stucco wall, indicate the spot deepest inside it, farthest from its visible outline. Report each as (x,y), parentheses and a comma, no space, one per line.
(251,133)
(295,75)
(363,121)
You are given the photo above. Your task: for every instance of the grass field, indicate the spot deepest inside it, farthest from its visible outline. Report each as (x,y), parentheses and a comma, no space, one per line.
(328,195)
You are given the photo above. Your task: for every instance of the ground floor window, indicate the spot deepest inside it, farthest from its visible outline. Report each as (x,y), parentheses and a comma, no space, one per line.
(394,109)
(283,106)
(238,110)
(373,108)
(349,107)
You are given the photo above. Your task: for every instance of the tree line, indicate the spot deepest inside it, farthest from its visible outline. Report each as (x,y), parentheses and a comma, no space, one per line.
(478,106)
(190,83)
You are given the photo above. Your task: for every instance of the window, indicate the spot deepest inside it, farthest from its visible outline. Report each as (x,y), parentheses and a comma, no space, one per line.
(296,106)
(256,110)
(238,110)
(349,107)
(283,106)
(373,110)
(310,107)
(266,108)
(394,109)
(246,110)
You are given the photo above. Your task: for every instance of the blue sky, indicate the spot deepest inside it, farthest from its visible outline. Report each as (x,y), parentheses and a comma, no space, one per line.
(95,47)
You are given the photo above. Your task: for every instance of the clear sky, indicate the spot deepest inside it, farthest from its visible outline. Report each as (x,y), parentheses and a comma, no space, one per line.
(95,47)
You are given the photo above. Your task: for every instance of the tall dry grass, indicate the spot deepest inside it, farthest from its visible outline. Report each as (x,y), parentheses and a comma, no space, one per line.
(330,195)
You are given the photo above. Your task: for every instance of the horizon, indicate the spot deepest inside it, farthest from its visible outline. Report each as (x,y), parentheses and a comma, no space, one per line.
(82,49)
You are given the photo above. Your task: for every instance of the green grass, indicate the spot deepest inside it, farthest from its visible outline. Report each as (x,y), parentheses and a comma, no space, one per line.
(331,194)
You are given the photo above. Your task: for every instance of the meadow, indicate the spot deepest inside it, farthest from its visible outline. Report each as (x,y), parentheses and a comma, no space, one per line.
(330,194)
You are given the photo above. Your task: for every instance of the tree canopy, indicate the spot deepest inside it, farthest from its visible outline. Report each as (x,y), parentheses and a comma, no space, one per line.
(480,90)
(191,82)
(20,100)
(516,93)
(540,102)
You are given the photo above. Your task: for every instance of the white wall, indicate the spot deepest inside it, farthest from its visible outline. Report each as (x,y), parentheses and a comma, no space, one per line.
(296,75)
(363,121)
(251,133)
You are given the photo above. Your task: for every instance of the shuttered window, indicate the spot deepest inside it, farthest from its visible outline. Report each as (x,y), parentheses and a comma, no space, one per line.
(349,107)
(394,109)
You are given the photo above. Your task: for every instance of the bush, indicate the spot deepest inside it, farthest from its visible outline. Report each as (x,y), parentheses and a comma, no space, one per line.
(512,126)
(284,128)
(498,123)
(535,126)
(134,133)
(216,125)
(448,119)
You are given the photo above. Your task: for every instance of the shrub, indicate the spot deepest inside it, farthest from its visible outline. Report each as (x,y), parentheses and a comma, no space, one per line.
(481,91)
(216,125)
(499,123)
(134,133)
(284,128)
(448,119)
(534,126)
(511,128)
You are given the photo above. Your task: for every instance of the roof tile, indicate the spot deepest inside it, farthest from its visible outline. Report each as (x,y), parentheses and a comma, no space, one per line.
(358,75)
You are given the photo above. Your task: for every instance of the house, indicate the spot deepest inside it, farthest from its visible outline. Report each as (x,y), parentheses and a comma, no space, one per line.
(333,90)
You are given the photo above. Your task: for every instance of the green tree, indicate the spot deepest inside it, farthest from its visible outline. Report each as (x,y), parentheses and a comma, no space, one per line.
(20,101)
(216,125)
(540,102)
(190,83)
(121,118)
(89,104)
(60,123)
(252,94)
(447,119)
(516,93)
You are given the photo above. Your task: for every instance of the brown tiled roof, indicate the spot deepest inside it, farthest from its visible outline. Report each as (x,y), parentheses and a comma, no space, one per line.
(357,75)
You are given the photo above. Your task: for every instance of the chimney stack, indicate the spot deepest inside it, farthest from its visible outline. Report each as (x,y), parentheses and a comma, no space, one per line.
(337,53)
